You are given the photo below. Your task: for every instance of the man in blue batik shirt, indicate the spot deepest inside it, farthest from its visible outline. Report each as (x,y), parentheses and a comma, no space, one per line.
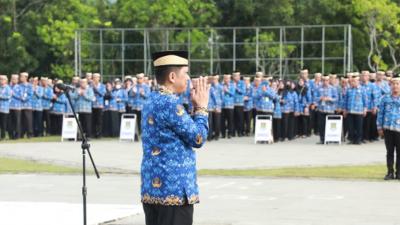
(168,172)
(97,115)
(5,96)
(46,102)
(26,105)
(37,108)
(240,92)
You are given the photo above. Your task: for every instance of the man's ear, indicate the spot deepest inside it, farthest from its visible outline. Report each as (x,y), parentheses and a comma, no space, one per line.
(172,77)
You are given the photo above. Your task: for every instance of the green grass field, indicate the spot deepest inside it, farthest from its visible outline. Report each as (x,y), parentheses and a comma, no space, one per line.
(8,165)
(365,172)
(368,172)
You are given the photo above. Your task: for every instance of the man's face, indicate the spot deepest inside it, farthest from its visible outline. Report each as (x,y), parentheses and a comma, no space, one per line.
(236,76)
(14,80)
(326,82)
(96,79)
(395,87)
(354,82)
(140,80)
(23,79)
(181,78)
(227,80)
(365,77)
(3,81)
(380,76)
(83,84)
(43,83)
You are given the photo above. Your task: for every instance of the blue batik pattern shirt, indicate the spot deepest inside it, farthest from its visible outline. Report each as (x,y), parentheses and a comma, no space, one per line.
(389,113)
(5,97)
(326,106)
(373,95)
(265,99)
(248,102)
(216,96)
(121,97)
(356,100)
(277,109)
(83,103)
(290,102)
(37,98)
(60,104)
(240,91)
(110,104)
(27,94)
(304,100)
(16,98)
(228,96)
(141,93)
(168,170)
(46,98)
(99,92)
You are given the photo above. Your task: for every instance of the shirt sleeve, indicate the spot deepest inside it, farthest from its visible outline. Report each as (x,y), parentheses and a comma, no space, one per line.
(192,132)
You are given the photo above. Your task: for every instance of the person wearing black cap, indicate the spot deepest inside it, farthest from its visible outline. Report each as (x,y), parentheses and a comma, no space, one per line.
(168,172)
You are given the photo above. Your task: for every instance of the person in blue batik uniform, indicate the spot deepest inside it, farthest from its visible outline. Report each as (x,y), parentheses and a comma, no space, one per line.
(290,109)
(83,106)
(168,172)
(26,105)
(141,92)
(14,121)
(57,110)
(355,109)
(99,90)
(228,94)
(325,99)
(304,96)
(46,103)
(5,96)
(111,114)
(248,106)
(240,91)
(37,108)
(388,124)
(216,98)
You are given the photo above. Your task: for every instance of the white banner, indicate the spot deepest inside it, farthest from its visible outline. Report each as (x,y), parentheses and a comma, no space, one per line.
(263,130)
(333,128)
(128,127)
(69,128)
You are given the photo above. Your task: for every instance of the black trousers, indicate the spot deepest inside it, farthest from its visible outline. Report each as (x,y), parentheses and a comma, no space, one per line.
(238,118)
(373,129)
(254,114)
(345,127)
(138,120)
(26,122)
(3,124)
(367,124)
(227,122)
(288,125)
(97,122)
(37,123)
(210,126)
(56,123)
(355,127)
(216,118)
(392,143)
(277,129)
(86,121)
(247,122)
(110,125)
(303,124)
(314,119)
(168,215)
(321,124)
(46,121)
(14,124)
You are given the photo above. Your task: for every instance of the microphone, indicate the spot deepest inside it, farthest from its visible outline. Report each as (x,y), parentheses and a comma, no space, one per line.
(64,87)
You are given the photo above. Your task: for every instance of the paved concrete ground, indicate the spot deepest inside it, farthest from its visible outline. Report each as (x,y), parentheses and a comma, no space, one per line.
(234,201)
(226,153)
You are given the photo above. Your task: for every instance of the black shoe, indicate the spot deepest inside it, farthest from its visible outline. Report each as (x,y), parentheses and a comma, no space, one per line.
(397,176)
(389,176)
(229,136)
(223,136)
(216,138)
(320,143)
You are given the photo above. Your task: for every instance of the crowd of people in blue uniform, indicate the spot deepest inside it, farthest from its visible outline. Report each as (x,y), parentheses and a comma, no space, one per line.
(35,107)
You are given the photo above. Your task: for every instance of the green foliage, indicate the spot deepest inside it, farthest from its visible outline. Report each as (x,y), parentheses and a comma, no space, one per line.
(39,35)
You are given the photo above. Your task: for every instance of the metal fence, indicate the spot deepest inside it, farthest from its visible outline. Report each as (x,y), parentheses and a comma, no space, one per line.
(275,50)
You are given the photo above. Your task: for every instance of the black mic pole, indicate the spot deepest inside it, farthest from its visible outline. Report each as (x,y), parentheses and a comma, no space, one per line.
(85,148)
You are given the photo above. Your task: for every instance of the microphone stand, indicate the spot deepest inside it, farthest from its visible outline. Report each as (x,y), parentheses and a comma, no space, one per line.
(85,148)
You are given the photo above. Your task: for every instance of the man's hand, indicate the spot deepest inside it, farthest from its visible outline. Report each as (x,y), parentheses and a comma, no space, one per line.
(380,133)
(200,93)
(374,111)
